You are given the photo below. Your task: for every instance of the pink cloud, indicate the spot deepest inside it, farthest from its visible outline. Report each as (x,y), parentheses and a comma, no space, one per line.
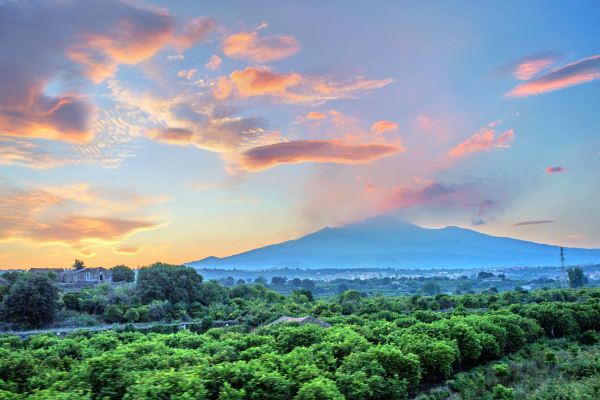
(90,42)
(555,170)
(530,67)
(292,87)
(579,72)
(384,126)
(214,62)
(251,47)
(486,139)
(320,151)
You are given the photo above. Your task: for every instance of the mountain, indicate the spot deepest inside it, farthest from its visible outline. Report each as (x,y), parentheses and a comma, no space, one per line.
(385,241)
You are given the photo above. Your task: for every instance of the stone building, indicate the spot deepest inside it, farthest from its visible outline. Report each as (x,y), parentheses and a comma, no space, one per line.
(86,275)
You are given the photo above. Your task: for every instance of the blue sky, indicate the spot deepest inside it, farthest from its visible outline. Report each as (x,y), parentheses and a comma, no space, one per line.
(132,132)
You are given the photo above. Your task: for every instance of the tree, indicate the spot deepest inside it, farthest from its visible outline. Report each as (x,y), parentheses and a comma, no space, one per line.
(78,265)
(431,288)
(576,277)
(319,389)
(308,284)
(122,273)
(32,300)
(278,280)
(175,283)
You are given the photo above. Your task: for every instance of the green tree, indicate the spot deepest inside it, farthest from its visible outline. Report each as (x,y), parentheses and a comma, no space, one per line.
(431,288)
(174,283)
(122,273)
(32,300)
(319,389)
(576,277)
(78,265)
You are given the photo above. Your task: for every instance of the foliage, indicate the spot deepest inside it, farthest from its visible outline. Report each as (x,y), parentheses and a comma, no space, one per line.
(32,300)
(122,273)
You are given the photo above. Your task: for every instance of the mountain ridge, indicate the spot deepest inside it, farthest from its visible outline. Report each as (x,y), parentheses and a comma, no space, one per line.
(386,241)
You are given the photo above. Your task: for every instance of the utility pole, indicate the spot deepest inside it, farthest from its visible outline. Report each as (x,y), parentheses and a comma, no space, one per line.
(562,268)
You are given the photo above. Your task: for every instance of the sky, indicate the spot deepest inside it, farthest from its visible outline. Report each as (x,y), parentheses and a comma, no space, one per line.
(134,132)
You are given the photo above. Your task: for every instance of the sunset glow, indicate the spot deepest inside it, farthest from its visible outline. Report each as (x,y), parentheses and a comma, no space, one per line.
(139,131)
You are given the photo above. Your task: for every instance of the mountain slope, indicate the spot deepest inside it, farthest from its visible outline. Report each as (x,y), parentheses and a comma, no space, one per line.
(385,242)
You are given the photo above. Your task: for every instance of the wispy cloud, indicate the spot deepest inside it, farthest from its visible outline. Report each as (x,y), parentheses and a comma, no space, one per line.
(582,71)
(252,47)
(292,87)
(486,138)
(320,151)
(76,216)
(534,222)
(384,126)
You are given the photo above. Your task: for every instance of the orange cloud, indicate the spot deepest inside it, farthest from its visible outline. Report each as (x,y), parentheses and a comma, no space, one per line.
(251,47)
(254,81)
(75,229)
(213,63)
(383,126)
(315,115)
(222,88)
(86,44)
(60,217)
(320,151)
(128,250)
(179,136)
(292,87)
(531,67)
(485,139)
(579,72)
(66,118)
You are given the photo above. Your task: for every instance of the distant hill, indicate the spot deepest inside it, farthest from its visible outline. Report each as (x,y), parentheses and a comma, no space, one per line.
(386,241)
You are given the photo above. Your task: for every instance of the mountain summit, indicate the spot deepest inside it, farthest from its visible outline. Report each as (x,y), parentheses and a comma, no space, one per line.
(385,241)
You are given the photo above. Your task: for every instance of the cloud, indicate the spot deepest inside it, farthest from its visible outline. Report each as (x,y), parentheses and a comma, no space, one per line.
(320,151)
(76,216)
(527,67)
(486,139)
(436,197)
(534,222)
(406,197)
(179,136)
(315,115)
(187,73)
(213,63)
(78,229)
(92,39)
(384,126)
(555,170)
(251,47)
(194,31)
(292,87)
(128,250)
(579,72)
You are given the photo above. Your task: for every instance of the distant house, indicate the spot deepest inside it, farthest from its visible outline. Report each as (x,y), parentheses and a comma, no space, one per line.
(57,271)
(300,321)
(86,275)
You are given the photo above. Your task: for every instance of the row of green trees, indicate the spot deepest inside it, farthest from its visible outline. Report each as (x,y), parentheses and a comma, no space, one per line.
(377,347)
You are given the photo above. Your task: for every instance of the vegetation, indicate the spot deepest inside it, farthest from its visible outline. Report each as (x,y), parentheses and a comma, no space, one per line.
(513,345)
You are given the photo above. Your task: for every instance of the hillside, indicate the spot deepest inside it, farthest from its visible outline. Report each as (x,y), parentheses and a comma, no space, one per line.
(385,241)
